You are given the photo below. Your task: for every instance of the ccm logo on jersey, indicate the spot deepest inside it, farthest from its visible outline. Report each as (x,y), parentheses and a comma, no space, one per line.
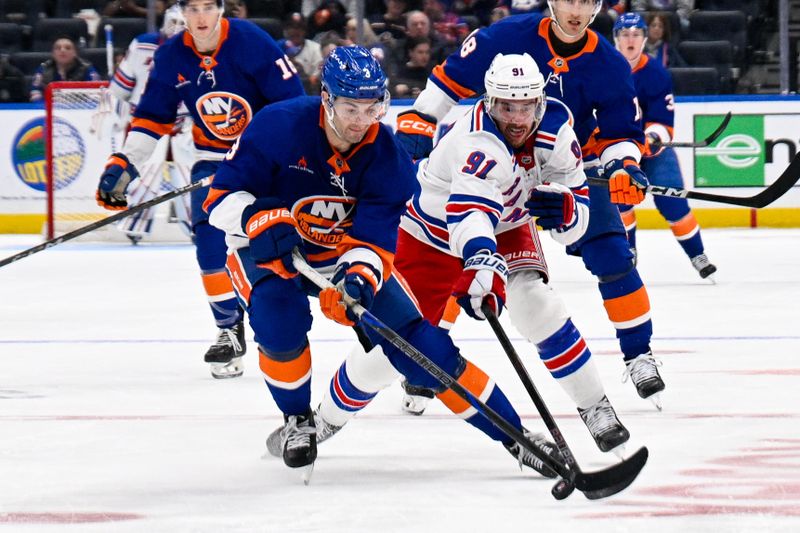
(416,126)
(324,220)
(224,114)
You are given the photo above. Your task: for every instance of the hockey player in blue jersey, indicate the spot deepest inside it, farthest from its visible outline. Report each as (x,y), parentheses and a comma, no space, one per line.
(654,90)
(210,67)
(334,185)
(584,71)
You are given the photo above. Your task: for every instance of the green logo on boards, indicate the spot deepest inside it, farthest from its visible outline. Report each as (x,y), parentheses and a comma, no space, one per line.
(736,158)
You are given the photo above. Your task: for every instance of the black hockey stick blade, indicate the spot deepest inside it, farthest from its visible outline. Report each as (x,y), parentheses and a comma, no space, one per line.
(610,481)
(775,190)
(119,215)
(705,142)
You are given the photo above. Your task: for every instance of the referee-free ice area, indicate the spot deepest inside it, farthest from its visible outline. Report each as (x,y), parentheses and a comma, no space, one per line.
(111,422)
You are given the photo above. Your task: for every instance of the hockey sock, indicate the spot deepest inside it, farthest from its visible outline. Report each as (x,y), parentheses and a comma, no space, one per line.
(628,308)
(288,378)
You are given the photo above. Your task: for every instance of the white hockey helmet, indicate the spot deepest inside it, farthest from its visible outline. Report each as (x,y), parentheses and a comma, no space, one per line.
(173,21)
(515,77)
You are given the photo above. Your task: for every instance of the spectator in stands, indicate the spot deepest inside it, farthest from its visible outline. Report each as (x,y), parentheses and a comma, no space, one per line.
(371,42)
(132,8)
(65,65)
(413,74)
(235,9)
(499,13)
(304,53)
(419,25)
(329,16)
(12,82)
(392,20)
(683,8)
(309,6)
(659,42)
(447,26)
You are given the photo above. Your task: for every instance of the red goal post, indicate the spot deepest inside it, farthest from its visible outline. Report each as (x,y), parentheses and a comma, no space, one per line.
(75,150)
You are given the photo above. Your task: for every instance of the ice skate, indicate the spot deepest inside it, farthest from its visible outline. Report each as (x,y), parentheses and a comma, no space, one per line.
(528,459)
(415,399)
(643,371)
(704,267)
(225,355)
(299,443)
(323,428)
(608,432)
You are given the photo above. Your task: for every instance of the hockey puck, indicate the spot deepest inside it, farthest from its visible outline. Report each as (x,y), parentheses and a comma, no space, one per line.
(562,489)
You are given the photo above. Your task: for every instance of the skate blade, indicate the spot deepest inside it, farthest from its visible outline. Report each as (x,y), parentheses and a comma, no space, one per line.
(655,399)
(306,472)
(619,451)
(710,278)
(232,369)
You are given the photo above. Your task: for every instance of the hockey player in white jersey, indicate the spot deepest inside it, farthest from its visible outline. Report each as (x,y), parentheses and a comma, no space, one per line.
(127,85)
(469,232)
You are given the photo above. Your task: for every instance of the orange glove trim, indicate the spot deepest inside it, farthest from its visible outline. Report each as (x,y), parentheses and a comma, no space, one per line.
(330,301)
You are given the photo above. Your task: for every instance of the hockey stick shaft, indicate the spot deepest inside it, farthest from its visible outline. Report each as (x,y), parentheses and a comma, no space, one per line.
(431,368)
(705,142)
(109,31)
(106,221)
(594,485)
(775,190)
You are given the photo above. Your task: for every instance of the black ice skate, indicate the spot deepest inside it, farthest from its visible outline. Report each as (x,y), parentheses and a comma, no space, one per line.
(643,371)
(531,461)
(606,429)
(299,443)
(324,432)
(415,399)
(703,266)
(225,355)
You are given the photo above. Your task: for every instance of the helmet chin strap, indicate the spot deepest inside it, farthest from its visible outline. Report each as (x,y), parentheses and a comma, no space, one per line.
(329,112)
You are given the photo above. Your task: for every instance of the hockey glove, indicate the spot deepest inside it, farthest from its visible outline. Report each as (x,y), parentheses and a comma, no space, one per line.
(553,205)
(483,278)
(119,172)
(653,145)
(273,235)
(354,283)
(415,133)
(626,181)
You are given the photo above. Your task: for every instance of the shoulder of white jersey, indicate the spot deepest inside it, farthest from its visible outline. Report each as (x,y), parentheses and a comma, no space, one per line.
(482,125)
(147,39)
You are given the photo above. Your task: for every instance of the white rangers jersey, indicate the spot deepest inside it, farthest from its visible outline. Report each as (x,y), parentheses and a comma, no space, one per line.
(474,184)
(131,75)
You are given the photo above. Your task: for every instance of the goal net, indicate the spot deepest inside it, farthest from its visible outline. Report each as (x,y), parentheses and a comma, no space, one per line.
(81,130)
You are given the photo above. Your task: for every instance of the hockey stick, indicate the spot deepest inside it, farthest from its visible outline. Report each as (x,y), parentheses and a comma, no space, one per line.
(109,30)
(594,485)
(705,142)
(106,221)
(776,189)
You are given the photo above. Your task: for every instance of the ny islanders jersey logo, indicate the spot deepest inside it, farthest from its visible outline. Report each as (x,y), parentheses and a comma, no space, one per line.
(324,220)
(224,114)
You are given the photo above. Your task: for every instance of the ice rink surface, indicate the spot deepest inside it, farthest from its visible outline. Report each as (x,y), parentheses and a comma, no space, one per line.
(110,421)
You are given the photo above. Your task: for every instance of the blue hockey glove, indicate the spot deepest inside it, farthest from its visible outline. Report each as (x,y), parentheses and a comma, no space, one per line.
(415,133)
(273,235)
(553,206)
(119,172)
(484,278)
(354,282)
(626,181)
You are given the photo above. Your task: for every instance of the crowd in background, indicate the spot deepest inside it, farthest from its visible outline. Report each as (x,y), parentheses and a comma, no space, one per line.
(408,37)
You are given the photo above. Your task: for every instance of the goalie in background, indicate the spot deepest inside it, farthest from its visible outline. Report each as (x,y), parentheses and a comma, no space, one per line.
(211,67)
(654,91)
(174,155)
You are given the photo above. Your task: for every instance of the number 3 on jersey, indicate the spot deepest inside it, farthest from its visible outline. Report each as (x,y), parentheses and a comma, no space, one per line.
(474,162)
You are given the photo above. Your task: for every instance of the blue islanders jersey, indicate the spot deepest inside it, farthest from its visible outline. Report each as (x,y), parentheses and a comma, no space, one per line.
(654,90)
(339,201)
(222,90)
(594,83)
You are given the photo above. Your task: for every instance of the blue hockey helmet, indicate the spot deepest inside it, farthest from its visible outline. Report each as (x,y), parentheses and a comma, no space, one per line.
(352,72)
(630,20)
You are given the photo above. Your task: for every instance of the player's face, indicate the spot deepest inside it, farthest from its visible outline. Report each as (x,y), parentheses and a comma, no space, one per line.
(630,42)
(202,21)
(515,118)
(573,17)
(352,118)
